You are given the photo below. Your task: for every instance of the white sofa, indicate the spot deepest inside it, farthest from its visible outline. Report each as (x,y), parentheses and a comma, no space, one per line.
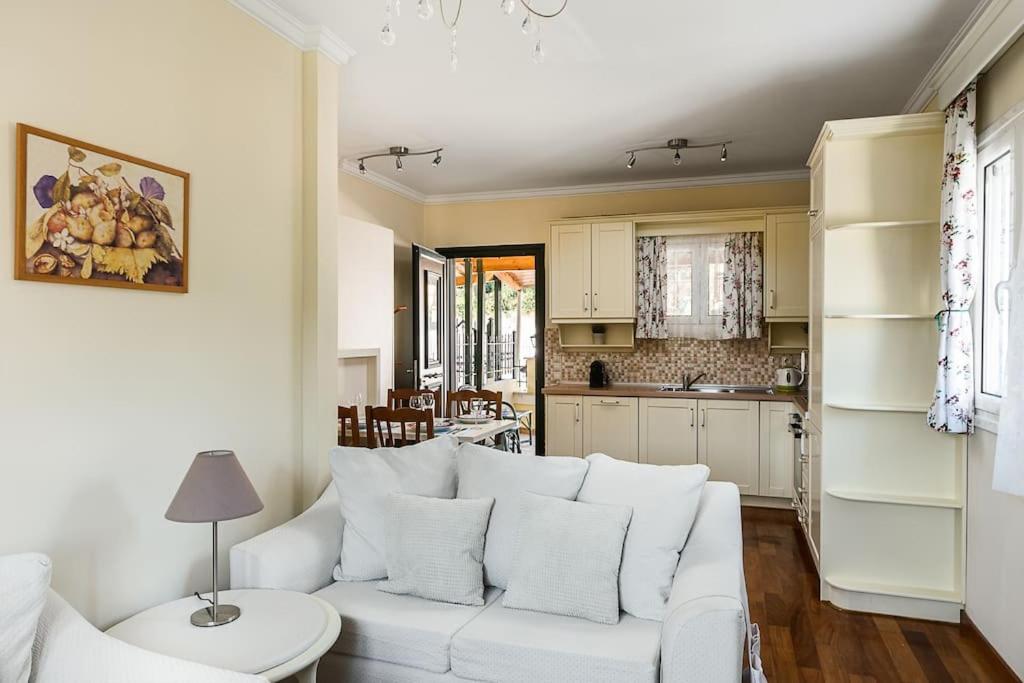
(397,638)
(68,649)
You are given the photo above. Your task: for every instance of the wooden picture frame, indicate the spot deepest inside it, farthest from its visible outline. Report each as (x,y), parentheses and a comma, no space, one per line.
(102,219)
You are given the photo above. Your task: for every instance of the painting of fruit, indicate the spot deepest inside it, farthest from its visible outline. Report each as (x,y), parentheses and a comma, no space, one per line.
(89,215)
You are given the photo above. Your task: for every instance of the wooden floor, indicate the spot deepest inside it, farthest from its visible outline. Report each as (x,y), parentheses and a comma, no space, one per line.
(804,639)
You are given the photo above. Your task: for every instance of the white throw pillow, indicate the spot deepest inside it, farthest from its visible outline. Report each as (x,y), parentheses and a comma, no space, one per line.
(664,500)
(567,558)
(24,585)
(487,473)
(365,477)
(435,548)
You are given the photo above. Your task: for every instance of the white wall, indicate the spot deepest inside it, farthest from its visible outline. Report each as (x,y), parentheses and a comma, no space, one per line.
(366,297)
(995,555)
(107,394)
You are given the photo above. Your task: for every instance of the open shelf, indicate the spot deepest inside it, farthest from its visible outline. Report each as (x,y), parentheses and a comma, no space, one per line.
(579,336)
(880,316)
(885,225)
(880,407)
(895,499)
(894,590)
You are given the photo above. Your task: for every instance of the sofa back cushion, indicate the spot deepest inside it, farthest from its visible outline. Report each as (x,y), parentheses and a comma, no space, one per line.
(664,500)
(24,584)
(365,478)
(567,557)
(505,477)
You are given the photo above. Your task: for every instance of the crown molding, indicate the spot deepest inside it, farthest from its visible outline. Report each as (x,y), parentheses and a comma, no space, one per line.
(989,30)
(306,37)
(352,168)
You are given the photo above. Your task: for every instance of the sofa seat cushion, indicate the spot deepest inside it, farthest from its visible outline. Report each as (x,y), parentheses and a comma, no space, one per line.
(515,645)
(401,629)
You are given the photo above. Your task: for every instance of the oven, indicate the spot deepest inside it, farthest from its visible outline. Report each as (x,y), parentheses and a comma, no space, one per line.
(801,468)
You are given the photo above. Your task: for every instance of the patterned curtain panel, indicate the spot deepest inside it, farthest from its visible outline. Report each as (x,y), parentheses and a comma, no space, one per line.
(743,282)
(651,287)
(952,409)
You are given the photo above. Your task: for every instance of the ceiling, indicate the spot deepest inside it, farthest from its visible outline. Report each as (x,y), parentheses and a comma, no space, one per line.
(620,75)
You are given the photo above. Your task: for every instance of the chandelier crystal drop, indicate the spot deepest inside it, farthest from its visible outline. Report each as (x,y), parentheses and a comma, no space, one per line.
(538,53)
(529,26)
(398,8)
(453,57)
(425,10)
(387,36)
(508,6)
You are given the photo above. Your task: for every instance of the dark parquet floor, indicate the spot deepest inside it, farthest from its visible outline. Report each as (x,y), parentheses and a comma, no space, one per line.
(804,639)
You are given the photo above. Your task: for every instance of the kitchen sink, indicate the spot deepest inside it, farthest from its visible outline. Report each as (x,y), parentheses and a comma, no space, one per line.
(719,388)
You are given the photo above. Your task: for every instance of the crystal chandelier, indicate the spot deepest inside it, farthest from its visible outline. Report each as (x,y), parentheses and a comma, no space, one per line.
(530,25)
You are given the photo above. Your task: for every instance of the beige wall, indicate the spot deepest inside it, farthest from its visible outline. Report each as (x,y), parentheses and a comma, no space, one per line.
(362,200)
(995,521)
(107,394)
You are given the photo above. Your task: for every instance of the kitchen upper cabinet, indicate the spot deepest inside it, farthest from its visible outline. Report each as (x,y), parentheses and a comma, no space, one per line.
(593,271)
(610,426)
(613,263)
(776,461)
(564,425)
(668,431)
(570,271)
(728,442)
(786,258)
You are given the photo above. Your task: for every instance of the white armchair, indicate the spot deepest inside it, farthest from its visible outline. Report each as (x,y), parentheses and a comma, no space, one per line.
(68,649)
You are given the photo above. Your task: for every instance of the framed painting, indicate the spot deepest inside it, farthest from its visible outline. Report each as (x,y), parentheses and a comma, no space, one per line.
(87,215)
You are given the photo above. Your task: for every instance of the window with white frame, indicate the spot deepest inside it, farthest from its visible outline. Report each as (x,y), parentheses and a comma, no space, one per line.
(696,267)
(997,209)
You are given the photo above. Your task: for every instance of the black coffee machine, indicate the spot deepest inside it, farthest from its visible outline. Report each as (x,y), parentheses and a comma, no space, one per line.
(599,375)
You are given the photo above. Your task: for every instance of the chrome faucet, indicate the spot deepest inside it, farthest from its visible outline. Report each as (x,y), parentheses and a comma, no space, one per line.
(688,383)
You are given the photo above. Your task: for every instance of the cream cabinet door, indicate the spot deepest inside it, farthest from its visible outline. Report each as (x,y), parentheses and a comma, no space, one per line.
(613,270)
(563,434)
(570,271)
(668,431)
(786,256)
(776,451)
(727,441)
(610,426)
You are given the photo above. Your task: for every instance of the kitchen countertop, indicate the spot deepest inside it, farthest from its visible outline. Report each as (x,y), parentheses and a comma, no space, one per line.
(652,391)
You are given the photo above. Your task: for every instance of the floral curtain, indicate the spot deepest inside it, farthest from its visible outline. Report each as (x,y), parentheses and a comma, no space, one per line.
(743,284)
(952,408)
(651,287)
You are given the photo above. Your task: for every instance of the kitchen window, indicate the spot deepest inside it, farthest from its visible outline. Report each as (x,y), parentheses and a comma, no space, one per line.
(997,207)
(696,268)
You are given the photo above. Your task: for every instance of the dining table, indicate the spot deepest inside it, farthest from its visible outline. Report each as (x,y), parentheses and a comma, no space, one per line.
(463,432)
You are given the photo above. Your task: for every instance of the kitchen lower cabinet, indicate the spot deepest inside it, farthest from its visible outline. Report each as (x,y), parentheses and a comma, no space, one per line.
(776,451)
(610,426)
(668,431)
(564,425)
(728,442)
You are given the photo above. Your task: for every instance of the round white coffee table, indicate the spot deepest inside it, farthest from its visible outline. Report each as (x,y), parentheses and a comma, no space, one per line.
(279,633)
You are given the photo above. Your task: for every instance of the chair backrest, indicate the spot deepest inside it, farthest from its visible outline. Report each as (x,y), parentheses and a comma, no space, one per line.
(459,402)
(382,423)
(348,425)
(399,398)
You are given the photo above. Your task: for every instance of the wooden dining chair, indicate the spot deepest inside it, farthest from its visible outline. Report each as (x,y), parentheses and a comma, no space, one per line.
(382,422)
(348,426)
(459,402)
(399,398)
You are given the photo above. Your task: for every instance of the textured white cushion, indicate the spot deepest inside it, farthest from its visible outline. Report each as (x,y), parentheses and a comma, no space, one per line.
(664,500)
(24,584)
(401,629)
(567,558)
(364,478)
(485,472)
(435,548)
(516,646)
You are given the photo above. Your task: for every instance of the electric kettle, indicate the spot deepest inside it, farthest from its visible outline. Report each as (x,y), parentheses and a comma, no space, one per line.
(788,380)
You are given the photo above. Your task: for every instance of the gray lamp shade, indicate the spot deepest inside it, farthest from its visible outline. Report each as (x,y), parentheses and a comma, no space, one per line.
(215,489)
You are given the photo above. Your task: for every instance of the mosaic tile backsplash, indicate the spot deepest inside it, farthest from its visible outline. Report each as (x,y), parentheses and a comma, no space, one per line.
(667,360)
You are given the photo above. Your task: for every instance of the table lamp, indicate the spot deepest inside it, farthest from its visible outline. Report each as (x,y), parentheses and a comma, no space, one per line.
(215,489)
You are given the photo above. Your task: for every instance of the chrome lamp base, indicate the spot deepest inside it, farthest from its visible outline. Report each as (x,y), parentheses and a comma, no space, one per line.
(224,614)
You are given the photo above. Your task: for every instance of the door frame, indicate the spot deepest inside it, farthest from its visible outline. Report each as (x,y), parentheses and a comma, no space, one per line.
(418,251)
(538,252)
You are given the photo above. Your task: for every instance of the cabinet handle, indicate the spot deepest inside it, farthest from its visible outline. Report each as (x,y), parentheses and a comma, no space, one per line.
(595,301)
(703,416)
(812,213)
(576,411)
(771,299)
(803,446)
(801,491)
(585,302)
(691,417)
(609,402)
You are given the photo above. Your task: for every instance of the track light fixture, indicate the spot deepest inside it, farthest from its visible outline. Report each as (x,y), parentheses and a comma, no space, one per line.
(677,145)
(399,152)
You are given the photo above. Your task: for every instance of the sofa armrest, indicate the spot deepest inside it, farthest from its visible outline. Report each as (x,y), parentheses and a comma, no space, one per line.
(68,648)
(299,555)
(704,633)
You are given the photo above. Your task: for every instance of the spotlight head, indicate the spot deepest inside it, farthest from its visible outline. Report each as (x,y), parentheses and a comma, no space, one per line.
(362,167)
(437,159)
(725,154)
(631,161)
(678,158)
(398,164)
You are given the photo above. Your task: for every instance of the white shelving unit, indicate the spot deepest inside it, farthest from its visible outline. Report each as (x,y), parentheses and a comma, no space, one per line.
(892,514)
